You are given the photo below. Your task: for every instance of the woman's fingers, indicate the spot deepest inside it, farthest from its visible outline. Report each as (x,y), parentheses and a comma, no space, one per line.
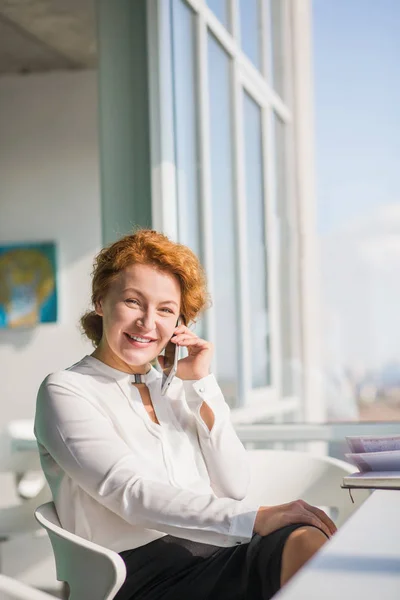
(323,517)
(270,518)
(301,512)
(309,518)
(188,340)
(183,330)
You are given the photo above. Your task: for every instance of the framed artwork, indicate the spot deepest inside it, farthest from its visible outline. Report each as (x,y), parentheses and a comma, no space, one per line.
(28,284)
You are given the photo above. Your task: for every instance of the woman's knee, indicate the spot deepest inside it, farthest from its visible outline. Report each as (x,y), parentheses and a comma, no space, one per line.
(299,547)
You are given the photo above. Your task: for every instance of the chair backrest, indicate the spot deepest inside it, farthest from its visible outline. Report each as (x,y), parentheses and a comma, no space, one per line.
(280,476)
(11,589)
(91,571)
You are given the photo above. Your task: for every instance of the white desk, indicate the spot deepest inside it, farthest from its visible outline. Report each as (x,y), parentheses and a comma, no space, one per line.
(360,562)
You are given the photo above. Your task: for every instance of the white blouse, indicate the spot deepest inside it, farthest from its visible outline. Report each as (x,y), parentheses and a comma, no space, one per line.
(121,480)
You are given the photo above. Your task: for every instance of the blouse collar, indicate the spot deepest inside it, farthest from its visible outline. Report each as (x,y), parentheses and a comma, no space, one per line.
(97,364)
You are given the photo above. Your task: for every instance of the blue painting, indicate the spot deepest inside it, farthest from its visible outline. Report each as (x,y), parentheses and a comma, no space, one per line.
(28,286)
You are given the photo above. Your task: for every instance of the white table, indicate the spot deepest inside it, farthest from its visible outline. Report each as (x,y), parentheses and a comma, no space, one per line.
(360,562)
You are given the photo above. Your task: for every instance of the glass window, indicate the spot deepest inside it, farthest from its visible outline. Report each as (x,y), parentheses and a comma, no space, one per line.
(358,185)
(257,271)
(185,78)
(223,228)
(276,50)
(250,30)
(185,114)
(221,10)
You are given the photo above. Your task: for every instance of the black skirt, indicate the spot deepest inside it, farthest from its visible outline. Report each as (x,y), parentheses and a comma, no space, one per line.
(172,568)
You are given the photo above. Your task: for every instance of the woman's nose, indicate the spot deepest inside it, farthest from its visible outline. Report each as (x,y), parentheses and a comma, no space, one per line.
(147,321)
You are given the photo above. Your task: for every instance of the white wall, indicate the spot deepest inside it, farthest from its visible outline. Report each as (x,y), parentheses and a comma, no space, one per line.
(49,174)
(49,190)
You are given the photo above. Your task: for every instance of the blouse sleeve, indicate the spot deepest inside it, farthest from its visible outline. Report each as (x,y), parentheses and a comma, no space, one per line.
(83,442)
(223,452)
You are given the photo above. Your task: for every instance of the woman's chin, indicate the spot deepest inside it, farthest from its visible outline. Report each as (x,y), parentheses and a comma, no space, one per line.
(138,357)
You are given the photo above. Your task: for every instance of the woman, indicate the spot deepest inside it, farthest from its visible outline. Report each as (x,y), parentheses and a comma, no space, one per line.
(161,479)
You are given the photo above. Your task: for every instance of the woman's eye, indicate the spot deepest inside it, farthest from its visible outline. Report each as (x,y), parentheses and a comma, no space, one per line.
(131,301)
(168,310)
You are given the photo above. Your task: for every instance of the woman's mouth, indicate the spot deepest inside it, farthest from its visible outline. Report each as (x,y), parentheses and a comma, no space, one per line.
(138,341)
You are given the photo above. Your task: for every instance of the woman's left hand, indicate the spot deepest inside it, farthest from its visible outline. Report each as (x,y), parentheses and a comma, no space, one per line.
(197,364)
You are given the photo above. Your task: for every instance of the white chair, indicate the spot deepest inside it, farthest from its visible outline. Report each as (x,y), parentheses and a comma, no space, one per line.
(91,571)
(11,589)
(281,476)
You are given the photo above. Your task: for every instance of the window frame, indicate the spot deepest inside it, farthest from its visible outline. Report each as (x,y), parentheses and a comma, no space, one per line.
(245,78)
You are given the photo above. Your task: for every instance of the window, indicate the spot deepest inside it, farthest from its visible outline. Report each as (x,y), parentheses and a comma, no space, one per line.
(221,9)
(185,124)
(225,165)
(250,30)
(224,177)
(224,258)
(358,207)
(232,158)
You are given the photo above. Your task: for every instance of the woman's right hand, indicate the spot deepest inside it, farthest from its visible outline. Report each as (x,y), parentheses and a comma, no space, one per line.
(271,518)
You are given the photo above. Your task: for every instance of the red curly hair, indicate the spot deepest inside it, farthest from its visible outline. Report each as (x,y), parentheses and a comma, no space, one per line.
(147,247)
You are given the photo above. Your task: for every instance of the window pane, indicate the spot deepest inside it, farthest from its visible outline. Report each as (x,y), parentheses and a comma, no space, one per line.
(276,47)
(186,129)
(250,30)
(221,10)
(223,230)
(358,191)
(185,110)
(257,274)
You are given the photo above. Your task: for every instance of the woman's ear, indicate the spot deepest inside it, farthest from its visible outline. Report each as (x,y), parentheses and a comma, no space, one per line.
(98,309)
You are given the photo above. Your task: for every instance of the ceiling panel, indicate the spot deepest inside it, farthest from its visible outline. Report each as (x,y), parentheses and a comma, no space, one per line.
(43,35)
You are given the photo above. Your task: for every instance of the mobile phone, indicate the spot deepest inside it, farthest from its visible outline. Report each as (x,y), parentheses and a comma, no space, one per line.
(171,357)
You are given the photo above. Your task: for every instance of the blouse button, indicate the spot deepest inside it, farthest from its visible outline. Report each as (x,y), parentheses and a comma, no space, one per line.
(201,389)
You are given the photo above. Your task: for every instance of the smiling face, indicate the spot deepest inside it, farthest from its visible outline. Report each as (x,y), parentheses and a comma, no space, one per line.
(140,312)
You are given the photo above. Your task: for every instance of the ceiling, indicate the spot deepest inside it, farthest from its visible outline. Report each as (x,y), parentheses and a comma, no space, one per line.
(47,35)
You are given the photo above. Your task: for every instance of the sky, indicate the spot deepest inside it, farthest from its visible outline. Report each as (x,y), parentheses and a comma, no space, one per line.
(357,121)
(357,108)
